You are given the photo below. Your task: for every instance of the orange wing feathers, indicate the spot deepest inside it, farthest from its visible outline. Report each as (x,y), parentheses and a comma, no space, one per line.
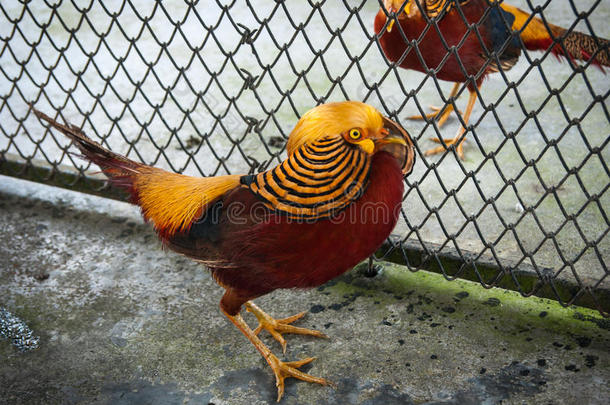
(173,201)
(531,29)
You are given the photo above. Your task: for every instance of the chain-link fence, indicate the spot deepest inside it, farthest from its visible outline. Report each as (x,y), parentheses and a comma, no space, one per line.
(215,87)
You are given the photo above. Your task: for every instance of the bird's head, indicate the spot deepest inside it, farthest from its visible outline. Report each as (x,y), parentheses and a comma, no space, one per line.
(395,10)
(409,7)
(403,9)
(358,124)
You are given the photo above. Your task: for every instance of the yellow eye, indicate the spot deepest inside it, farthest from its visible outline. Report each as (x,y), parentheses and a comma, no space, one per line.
(354,133)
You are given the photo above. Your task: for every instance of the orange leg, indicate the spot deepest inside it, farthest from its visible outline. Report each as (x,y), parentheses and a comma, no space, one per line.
(458,139)
(278,326)
(442,114)
(281,370)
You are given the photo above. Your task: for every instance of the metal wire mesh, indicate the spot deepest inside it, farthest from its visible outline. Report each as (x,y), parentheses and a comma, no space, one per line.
(215,87)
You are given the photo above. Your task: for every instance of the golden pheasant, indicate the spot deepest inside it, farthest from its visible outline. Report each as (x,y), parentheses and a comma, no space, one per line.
(457,53)
(297,225)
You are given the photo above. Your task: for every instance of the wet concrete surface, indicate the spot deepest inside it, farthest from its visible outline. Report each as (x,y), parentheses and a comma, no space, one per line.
(121,321)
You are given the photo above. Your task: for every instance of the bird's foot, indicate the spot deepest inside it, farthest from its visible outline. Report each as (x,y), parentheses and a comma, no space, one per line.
(439,113)
(283,370)
(276,327)
(459,148)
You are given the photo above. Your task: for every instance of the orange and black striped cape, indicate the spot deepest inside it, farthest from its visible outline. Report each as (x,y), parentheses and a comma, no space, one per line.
(317,181)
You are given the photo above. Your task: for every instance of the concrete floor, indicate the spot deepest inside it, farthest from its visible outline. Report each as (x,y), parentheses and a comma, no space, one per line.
(120,321)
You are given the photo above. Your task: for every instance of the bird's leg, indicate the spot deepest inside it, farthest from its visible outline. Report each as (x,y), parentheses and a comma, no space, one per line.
(278,326)
(281,370)
(442,114)
(458,139)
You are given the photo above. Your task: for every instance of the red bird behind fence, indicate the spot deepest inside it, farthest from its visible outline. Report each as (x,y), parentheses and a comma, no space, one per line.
(463,41)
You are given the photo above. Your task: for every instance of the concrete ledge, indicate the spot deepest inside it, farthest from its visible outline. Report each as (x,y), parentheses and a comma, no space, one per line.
(121,321)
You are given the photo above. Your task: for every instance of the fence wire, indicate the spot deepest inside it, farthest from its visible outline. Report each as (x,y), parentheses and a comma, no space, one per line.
(210,88)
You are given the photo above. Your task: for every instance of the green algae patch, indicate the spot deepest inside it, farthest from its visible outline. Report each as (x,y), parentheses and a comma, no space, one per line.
(540,311)
(495,317)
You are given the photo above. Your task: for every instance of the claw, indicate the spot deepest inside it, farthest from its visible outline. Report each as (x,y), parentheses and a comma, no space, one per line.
(458,140)
(440,113)
(276,327)
(283,370)
(440,149)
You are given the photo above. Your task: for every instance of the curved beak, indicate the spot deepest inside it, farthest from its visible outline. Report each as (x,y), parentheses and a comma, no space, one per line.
(396,141)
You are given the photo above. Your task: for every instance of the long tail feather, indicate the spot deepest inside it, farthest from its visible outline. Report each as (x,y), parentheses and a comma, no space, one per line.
(576,45)
(112,164)
(584,47)
(171,201)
